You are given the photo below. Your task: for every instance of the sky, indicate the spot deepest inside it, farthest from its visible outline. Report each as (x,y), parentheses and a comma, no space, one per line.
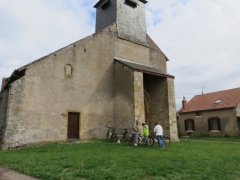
(201,38)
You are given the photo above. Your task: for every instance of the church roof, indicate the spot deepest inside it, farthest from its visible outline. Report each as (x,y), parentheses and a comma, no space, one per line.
(143,68)
(216,100)
(20,72)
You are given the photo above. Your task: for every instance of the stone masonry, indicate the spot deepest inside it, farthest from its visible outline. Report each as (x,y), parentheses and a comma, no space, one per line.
(84,78)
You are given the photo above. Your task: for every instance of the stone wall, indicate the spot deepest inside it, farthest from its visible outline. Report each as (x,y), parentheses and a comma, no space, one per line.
(14,120)
(139,111)
(238,110)
(107,16)
(131,22)
(172,110)
(157,58)
(162,104)
(41,100)
(124,100)
(3,112)
(157,89)
(82,78)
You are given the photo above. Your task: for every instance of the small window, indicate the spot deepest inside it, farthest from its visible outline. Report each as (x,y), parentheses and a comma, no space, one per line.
(68,70)
(218,101)
(189,125)
(214,124)
(198,113)
(238,120)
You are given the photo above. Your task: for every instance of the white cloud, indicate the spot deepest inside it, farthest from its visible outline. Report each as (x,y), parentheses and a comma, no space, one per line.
(33,29)
(201,38)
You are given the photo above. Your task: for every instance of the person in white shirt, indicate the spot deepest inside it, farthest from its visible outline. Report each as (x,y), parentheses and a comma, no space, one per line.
(159,134)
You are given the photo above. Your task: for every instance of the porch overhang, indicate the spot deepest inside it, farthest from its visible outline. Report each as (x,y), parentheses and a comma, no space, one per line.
(143,68)
(17,74)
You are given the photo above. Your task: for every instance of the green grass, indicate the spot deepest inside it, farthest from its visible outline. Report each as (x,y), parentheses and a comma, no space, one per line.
(211,138)
(99,160)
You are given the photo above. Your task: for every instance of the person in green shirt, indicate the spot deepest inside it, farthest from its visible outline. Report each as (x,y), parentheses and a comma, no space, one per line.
(145,132)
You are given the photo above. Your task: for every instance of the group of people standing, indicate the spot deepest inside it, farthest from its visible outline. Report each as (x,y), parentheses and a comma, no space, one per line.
(157,129)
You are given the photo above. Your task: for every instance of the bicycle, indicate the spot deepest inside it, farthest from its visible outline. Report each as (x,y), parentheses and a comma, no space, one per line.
(111,134)
(166,140)
(126,136)
(149,141)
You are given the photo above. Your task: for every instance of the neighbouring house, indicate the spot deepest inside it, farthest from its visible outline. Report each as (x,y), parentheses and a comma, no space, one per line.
(212,114)
(112,77)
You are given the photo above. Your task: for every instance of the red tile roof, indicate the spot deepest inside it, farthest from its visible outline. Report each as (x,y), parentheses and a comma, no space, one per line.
(229,98)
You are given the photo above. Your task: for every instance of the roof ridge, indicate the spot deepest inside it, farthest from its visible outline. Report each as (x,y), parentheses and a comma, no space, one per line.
(210,101)
(217,91)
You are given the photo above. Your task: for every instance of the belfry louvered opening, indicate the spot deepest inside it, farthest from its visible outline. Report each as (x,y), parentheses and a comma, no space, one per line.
(102,4)
(132,3)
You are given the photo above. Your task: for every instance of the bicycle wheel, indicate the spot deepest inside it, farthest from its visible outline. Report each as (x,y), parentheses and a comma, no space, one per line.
(166,141)
(150,142)
(107,136)
(132,139)
(114,138)
(124,138)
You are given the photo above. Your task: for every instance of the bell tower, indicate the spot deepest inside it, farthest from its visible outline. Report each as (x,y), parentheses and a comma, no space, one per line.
(129,16)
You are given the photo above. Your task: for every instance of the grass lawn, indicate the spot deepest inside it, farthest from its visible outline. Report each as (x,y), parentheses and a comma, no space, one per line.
(185,160)
(211,138)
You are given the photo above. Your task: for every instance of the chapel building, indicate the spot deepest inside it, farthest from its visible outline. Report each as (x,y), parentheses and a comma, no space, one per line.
(113,77)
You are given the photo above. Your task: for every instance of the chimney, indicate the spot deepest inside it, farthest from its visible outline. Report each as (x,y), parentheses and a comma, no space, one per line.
(129,16)
(184,102)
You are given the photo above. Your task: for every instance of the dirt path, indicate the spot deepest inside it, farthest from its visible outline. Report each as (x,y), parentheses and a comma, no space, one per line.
(8,174)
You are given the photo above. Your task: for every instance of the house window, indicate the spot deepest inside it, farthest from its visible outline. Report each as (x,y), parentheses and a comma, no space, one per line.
(214,124)
(238,120)
(198,113)
(189,125)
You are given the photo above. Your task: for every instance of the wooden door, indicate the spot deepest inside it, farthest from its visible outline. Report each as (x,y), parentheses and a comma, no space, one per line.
(73,125)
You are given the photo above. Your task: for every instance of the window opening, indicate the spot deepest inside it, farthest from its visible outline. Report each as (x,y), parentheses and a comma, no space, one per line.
(68,70)
(189,125)
(214,124)
(198,113)
(132,3)
(238,120)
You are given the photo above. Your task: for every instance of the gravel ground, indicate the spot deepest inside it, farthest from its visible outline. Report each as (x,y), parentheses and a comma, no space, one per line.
(8,174)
